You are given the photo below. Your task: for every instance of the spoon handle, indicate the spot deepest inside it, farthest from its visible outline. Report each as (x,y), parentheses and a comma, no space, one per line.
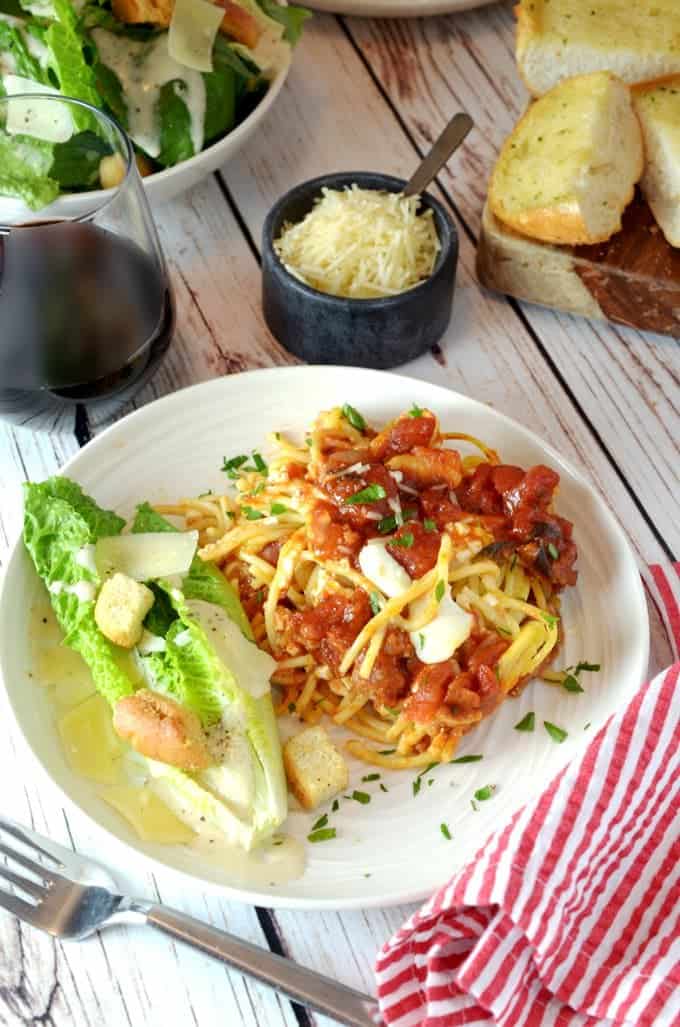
(450,139)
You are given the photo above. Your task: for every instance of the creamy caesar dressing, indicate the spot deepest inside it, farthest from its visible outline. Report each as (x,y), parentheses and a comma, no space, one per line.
(142,69)
(84,591)
(122,777)
(250,665)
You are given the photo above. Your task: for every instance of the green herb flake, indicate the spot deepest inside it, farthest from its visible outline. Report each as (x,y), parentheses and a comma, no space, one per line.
(526,723)
(421,640)
(427,769)
(371,494)
(553,550)
(251,513)
(324,835)
(571,683)
(363,797)
(416,411)
(291,707)
(474,805)
(467,759)
(440,590)
(549,619)
(354,417)
(321,822)
(557,734)
(278,508)
(590,667)
(387,524)
(404,541)
(444,828)
(335,807)
(482,794)
(429,525)
(383,788)
(386,752)
(308,440)
(230,467)
(416,786)
(371,777)
(586,726)
(260,465)
(376,605)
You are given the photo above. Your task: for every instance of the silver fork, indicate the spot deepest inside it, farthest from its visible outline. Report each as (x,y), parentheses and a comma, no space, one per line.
(34,886)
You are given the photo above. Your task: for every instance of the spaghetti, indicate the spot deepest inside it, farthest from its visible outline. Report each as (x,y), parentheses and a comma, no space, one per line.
(404,587)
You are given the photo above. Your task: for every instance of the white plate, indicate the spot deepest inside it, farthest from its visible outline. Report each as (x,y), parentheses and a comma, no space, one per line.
(391,850)
(396,8)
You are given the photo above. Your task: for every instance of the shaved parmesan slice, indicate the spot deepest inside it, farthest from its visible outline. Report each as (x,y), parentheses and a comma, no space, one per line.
(149,555)
(191,36)
(439,639)
(383,570)
(51,122)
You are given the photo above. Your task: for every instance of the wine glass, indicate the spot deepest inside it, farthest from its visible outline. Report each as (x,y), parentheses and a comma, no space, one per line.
(86,310)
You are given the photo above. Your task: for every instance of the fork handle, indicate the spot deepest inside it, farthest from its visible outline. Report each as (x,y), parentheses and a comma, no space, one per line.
(297,982)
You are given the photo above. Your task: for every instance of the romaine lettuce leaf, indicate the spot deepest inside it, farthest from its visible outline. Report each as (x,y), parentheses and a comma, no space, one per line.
(13,42)
(292,18)
(67,44)
(11,7)
(59,520)
(220,102)
(175,121)
(24,170)
(76,162)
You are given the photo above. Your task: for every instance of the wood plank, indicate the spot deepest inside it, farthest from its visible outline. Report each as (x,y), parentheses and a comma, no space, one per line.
(626,382)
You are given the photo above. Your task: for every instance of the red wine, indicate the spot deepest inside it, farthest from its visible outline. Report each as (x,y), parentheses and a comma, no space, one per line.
(85,316)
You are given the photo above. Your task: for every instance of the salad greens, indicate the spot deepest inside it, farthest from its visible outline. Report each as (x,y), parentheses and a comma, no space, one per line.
(170,111)
(201,655)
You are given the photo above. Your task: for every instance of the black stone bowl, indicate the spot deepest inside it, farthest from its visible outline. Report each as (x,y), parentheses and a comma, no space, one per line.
(323,329)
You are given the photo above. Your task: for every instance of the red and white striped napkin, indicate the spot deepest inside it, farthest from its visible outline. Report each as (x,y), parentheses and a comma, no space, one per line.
(570,915)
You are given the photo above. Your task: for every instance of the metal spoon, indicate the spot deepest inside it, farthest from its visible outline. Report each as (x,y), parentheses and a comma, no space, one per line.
(449,141)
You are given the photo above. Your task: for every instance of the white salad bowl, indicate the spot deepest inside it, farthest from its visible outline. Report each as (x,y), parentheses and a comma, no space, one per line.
(166,184)
(392,849)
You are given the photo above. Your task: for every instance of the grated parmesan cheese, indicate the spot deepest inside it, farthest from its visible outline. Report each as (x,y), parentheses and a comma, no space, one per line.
(361,243)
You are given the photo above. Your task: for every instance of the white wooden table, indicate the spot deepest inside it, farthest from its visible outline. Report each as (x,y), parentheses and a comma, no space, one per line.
(361,95)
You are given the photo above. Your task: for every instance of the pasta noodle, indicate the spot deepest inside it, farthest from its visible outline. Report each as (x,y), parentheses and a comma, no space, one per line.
(408,669)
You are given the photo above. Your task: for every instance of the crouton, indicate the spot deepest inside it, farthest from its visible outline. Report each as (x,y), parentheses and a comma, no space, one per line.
(121,607)
(161,729)
(315,769)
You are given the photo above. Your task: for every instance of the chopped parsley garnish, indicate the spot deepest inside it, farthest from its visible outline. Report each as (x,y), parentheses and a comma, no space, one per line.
(371,777)
(591,667)
(467,759)
(259,596)
(549,619)
(321,822)
(427,769)
(260,465)
(553,550)
(439,591)
(416,786)
(482,794)
(251,513)
(586,726)
(383,788)
(444,828)
(386,752)
(421,640)
(474,805)
(526,723)
(387,524)
(376,605)
(278,508)
(363,797)
(405,541)
(230,467)
(335,807)
(258,488)
(308,440)
(324,835)
(416,411)
(291,707)
(354,417)
(371,494)
(429,525)
(557,734)
(409,513)
(571,683)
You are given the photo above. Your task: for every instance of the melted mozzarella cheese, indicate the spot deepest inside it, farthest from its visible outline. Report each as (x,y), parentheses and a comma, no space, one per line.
(382,569)
(439,639)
